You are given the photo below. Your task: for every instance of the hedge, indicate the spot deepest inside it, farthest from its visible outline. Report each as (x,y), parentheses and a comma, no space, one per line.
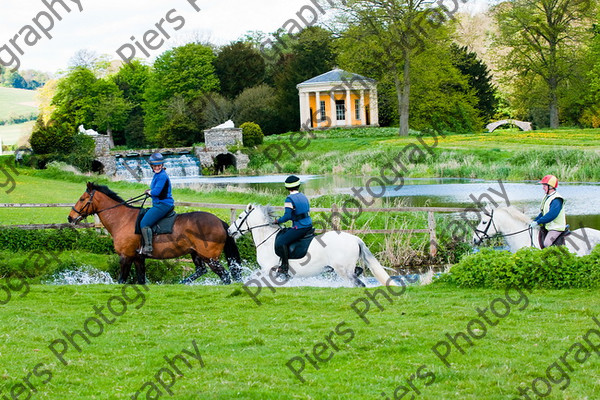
(550,268)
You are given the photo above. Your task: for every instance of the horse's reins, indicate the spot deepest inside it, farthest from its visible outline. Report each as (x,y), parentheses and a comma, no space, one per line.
(239,230)
(487,237)
(124,203)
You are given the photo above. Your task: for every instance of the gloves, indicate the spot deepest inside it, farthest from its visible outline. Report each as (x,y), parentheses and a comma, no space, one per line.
(533,224)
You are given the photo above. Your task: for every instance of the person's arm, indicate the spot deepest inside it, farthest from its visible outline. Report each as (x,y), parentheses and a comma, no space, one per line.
(538,217)
(159,184)
(287,216)
(553,212)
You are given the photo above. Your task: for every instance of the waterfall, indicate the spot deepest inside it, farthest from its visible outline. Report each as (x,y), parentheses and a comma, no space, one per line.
(135,168)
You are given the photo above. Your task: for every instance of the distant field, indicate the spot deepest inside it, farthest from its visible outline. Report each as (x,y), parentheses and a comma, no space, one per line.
(16,101)
(10,134)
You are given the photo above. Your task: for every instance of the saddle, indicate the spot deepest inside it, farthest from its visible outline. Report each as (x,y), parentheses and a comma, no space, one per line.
(559,241)
(299,248)
(162,227)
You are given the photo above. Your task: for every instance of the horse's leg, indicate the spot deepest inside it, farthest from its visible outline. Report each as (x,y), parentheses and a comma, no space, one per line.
(218,269)
(200,269)
(350,274)
(140,270)
(125,268)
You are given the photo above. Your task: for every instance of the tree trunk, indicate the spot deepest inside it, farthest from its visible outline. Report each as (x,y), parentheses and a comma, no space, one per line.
(553,86)
(403,93)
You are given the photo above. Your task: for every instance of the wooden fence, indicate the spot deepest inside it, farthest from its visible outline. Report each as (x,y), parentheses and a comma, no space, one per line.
(334,210)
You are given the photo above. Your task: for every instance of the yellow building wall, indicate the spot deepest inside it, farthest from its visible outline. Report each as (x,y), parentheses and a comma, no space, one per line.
(325,96)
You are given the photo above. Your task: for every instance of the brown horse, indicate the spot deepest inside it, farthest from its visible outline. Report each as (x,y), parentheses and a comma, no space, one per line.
(200,234)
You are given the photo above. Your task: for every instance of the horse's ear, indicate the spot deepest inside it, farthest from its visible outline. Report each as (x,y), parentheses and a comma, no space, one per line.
(249,207)
(89,186)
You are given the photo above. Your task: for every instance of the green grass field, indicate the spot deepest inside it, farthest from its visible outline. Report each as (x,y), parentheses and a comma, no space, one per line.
(16,101)
(10,134)
(245,348)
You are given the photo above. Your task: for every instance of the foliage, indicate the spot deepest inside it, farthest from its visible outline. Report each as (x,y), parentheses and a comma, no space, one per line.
(479,79)
(312,53)
(177,132)
(132,80)
(550,268)
(542,39)
(252,134)
(258,104)
(24,79)
(239,66)
(58,141)
(217,109)
(88,240)
(186,71)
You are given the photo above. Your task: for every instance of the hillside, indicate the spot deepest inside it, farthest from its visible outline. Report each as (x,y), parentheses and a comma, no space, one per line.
(16,101)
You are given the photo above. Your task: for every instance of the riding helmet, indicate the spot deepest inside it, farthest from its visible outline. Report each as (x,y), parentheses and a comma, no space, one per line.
(550,180)
(292,182)
(156,159)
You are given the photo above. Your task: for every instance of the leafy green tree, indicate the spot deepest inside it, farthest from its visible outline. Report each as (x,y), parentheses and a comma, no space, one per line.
(239,66)
(312,53)
(187,71)
(543,38)
(393,32)
(132,80)
(479,79)
(74,98)
(259,105)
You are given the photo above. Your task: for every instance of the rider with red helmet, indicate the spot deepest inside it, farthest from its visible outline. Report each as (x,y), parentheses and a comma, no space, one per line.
(552,211)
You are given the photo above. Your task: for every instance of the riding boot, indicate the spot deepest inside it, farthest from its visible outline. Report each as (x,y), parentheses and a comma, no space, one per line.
(283,269)
(147,245)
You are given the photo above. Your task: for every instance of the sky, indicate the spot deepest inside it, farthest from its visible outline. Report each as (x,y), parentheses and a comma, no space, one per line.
(105,26)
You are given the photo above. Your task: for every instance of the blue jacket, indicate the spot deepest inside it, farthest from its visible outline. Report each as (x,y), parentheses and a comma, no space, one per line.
(555,208)
(297,210)
(160,189)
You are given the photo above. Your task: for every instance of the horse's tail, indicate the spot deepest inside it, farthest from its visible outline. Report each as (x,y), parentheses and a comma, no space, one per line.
(232,255)
(374,265)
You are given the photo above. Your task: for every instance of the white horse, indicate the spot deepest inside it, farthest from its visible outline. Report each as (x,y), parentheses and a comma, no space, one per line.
(513,225)
(338,250)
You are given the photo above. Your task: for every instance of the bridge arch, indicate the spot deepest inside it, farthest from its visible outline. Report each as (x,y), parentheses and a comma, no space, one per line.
(524,126)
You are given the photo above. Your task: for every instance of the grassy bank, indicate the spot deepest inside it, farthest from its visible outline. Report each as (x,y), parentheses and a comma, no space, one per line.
(506,154)
(245,348)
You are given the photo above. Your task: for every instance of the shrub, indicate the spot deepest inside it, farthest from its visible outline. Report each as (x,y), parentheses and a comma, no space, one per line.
(550,268)
(252,134)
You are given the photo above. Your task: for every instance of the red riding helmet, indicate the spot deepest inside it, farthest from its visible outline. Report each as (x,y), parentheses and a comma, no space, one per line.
(550,180)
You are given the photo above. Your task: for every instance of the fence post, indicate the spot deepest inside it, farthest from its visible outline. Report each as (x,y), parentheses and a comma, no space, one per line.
(232,216)
(432,235)
(335,223)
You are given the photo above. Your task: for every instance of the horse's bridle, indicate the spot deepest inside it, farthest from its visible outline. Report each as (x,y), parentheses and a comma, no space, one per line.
(91,199)
(484,233)
(85,206)
(241,232)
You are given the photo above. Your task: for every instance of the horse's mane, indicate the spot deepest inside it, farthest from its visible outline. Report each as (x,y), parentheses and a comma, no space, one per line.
(105,190)
(516,214)
(269,213)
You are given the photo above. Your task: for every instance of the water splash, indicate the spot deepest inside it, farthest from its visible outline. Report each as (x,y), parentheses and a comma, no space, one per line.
(83,275)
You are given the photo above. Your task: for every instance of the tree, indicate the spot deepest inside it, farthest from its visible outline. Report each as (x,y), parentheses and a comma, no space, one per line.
(312,53)
(259,105)
(132,80)
(393,31)
(187,71)
(239,66)
(543,38)
(479,79)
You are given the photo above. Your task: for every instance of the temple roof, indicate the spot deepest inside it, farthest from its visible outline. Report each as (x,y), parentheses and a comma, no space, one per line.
(337,75)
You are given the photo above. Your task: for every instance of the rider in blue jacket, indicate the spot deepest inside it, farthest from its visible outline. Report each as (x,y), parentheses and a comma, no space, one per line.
(162,201)
(297,210)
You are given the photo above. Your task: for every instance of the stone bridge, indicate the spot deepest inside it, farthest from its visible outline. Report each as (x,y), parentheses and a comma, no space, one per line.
(525,126)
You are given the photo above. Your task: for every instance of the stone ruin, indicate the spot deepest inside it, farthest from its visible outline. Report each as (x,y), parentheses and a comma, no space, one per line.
(213,154)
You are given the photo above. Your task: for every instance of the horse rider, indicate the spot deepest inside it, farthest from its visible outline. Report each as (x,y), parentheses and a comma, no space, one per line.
(552,211)
(162,200)
(297,210)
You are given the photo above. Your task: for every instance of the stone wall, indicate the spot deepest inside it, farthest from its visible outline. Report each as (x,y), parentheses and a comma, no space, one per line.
(222,137)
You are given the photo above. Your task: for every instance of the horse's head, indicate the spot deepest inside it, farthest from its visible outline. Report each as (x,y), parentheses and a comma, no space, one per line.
(85,205)
(486,228)
(252,217)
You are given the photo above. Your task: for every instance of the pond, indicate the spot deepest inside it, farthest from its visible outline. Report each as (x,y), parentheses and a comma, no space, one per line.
(582,205)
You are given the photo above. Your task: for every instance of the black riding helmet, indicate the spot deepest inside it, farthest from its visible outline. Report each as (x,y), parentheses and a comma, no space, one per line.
(292,182)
